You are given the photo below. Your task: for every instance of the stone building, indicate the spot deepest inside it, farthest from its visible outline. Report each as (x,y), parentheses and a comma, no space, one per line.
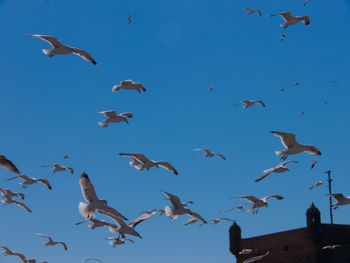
(315,243)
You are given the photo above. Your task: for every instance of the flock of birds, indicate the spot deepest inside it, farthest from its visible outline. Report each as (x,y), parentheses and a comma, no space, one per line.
(120,225)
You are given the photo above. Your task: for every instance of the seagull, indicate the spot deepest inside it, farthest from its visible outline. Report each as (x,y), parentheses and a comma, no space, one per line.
(31,180)
(179,208)
(50,242)
(283,37)
(59,168)
(8,165)
(313,163)
(218,220)
(277,169)
(129,85)
(248,103)
(60,49)
(129,18)
(301,113)
(117,241)
(331,247)
(325,103)
(9,200)
(316,185)
(11,253)
(97,223)
(253,259)
(65,157)
(245,251)
(210,88)
(89,259)
(251,11)
(139,161)
(258,202)
(292,146)
(112,116)
(341,200)
(292,20)
(7,193)
(88,191)
(296,83)
(208,153)
(160,211)
(306,2)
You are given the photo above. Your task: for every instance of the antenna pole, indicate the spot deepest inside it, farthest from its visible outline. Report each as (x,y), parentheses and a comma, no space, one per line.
(330,192)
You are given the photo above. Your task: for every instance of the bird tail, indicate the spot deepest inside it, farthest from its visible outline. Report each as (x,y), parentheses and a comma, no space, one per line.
(48,52)
(86,211)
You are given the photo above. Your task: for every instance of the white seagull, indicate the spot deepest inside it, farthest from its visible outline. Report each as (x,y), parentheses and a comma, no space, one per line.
(114,241)
(292,146)
(58,168)
(8,165)
(61,49)
(316,185)
(258,202)
(112,116)
(129,85)
(251,11)
(7,193)
(342,200)
(292,20)
(248,103)
(277,169)
(9,200)
(31,180)
(88,191)
(208,153)
(50,242)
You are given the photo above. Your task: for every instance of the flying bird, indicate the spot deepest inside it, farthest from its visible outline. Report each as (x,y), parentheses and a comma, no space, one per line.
(251,11)
(8,165)
(61,49)
(292,146)
(248,103)
(208,153)
(139,161)
(58,168)
(129,18)
(31,180)
(296,83)
(283,37)
(277,169)
(112,116)
(97,223)
(342,200)
(114,241)
(50,242)
(306,2)
(210,88)
(7,193)
(9,200)
(129,85)
(239,208)
(292,20)
(253,259)
(218,220)
(65,157)
(316,185)
(258,202)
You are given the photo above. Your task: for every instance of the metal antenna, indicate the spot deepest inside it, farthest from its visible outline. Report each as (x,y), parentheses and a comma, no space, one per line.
(330,192)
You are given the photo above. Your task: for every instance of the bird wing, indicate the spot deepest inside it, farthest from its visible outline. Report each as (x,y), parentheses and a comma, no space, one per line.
(174,200)
(85,55)
(220,155)
(109,113)
(21,256)
(8,165)
(260,102)
(287,139)
(107,210)
(23,206)
(139,156)
(253,259)
(306,19)
(63,245)
(139,85)
(140,219)
(19,176)
(191,221)
(225,219)
(54,42)
(285,15)
(195,215)
(339,197)
(250,198)
(87,188)
(278,197)
(167,166)
(284,163)
(126,114)
(42,235)
(313,163)
(45,182)
(71,170)
(266,173)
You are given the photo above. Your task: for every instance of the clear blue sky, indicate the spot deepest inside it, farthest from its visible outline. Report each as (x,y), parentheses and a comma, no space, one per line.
(177,49)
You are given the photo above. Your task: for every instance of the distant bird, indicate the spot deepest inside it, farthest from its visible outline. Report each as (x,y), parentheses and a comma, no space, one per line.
(31,180)
(296,83)
(9,252)
(7,193)
(281,89)
(210,88)
(306,2)
(112,116)
(61,49)
(218,220)
(258,202)
(9,200)
(239,208)
(341,200)
(97,223)
(277,169)
(129,18)
(316,185)
(245,251)
(283,37)
(8,165)
(292,146)
(129,85)
(208,153)
(313,163)
(331,247)
(253,259)
(179,208)
(117,241)
(292,20)
(251,11)
(191,221)
(248,103)
(89,259)
(301,113)
(89,194)
(65,157)
(139,161)
(160,211)
(324,102)
(50,242)
(58,168)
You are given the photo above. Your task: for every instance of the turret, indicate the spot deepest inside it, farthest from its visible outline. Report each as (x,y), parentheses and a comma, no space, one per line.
(235,238)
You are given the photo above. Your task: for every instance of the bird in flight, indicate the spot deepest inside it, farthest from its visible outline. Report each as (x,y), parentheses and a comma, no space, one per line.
(277,169)
(342,200)
(292,146)
(306,2)
(316,185)
(8,165)
(31,180)
(7,193)
(50,242)
(283,37)
(129,18)
(58,168)
(248,103)
(9,200)
(208,153)
(258,202)
(251,11)
(129,85)
(114,241)
(61,49)
(112,116)
(292,20)
(9,252)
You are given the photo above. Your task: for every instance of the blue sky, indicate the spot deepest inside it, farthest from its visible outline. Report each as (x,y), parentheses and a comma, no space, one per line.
(177,49)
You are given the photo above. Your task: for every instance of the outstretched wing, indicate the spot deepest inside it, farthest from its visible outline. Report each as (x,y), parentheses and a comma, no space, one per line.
(140,219)
(110,211)
(109,113)
(54,42)
(8,165)
(87,188)
(174,200)
(278,197)
(42,235)
(285,15)
(23,206)
(220,155)
(167,166)
(139,156)
(85,55)
(266,173)
(197,216)
(71,170)
(339,197)
(284,163)
(45,182)
(126,114)
(191,221)
(250,198)
(306,19)
(63,245)
(287,139)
